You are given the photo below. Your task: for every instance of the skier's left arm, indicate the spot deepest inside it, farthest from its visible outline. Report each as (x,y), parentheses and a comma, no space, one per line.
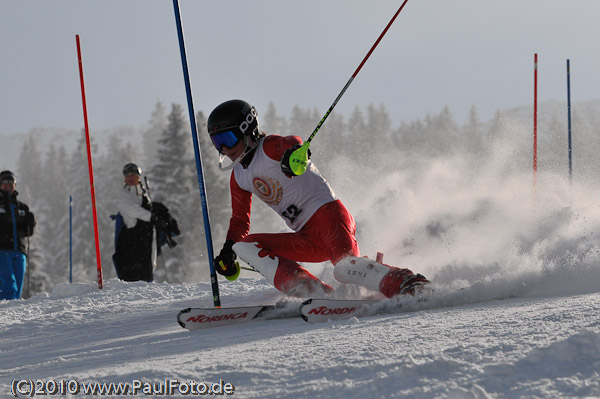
(275,146)
(280,148)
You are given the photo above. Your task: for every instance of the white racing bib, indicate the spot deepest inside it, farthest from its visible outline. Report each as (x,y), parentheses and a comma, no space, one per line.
(295,200)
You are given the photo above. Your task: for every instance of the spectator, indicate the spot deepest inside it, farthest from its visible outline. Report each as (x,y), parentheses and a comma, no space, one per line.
(16,224)
(141,227)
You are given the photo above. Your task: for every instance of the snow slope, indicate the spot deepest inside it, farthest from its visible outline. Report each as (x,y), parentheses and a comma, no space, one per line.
(529,329)
(522,347)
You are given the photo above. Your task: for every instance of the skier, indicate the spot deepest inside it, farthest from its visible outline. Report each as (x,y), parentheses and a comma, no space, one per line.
(323,228)
(16,224)
(140,224)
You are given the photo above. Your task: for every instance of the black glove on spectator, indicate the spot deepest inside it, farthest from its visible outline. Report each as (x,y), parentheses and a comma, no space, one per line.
(160,216)
(29,219)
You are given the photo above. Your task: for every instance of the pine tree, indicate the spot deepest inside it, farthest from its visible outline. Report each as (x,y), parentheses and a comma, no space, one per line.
(173,185)
(37,280)
(30,177)
(301,121)
(151,135)
(497,126)
(216,184)
(328,144)
(474,141)
(52,229)
(356,128)
(379,125)
(377,136)
(410,137)
(272,122)
(441,133)
(84,249)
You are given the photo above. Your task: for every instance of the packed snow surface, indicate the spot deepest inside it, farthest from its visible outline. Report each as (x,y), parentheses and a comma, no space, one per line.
(524,346)
(515,311)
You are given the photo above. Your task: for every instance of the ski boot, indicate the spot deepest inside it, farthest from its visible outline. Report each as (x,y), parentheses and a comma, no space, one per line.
(386,279)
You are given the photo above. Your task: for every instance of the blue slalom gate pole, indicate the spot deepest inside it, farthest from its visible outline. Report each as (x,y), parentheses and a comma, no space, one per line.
(569,116)
(70,239)
(198,155)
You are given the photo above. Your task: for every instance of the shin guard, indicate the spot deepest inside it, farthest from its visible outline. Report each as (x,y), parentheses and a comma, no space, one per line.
(286,275)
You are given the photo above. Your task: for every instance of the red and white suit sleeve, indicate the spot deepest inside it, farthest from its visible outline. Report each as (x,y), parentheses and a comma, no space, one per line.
(275,146)
(241,204)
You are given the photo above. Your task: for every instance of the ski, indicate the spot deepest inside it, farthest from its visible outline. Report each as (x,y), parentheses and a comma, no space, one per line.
(322,310)
(202,318)
(311,310)
(319,310)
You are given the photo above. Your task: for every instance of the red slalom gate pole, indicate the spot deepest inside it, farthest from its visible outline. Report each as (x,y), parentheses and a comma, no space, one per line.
(535,85)
(90,166)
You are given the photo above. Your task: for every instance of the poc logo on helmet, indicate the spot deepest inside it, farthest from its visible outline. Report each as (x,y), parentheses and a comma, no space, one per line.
(250,118)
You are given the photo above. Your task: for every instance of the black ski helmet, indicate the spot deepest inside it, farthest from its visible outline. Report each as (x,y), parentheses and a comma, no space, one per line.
(132,168)
(236,116)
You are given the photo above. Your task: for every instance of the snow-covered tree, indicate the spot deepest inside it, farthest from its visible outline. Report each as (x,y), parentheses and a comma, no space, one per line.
(152,134)
(174,185)
(272,122)
(30,179)
(78,183)
(53,221)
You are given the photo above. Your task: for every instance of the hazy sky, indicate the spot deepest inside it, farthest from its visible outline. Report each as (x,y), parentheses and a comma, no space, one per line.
(437,53)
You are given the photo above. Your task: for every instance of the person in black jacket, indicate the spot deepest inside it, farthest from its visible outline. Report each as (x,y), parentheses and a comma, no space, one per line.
(141,226)
(16,224)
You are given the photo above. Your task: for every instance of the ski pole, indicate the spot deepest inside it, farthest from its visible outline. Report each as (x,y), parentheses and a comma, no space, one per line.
(70,239)
(198,155)
(28,264)
(164,264)
(569,120)
(299,158)
(178,260)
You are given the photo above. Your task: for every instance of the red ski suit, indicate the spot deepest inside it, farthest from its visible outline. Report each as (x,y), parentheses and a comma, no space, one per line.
(323,228)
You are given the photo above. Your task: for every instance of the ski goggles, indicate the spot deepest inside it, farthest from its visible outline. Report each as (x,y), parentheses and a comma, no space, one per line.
(225,139)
